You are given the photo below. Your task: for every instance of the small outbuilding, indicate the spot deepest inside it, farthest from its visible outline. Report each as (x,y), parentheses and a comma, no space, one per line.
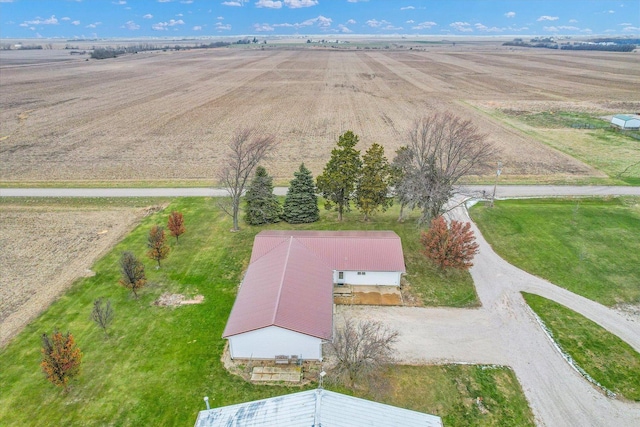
(626,122)
(314,408)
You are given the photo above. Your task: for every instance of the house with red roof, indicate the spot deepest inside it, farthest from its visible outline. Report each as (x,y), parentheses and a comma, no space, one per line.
(284,304)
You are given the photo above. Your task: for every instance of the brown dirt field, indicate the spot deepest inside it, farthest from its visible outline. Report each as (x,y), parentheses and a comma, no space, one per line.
(369,298)
(168,115)
(45,249)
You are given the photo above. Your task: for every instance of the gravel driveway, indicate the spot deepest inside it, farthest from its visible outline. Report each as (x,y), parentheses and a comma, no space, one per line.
(504,331)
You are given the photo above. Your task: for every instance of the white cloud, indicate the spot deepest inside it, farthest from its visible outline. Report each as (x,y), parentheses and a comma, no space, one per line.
(586,30)
(626,24)
(612,11)
(164,1)
(220,18)
(510,14)
(179,15)
(410,21)
(631,29)
(76,22)
(120,2)
(186,2)
(573,21)
(39,21)
(551,29)
(262,27)
(485,29)
(130,25)
(463,27)
(344,29)
(94,25)
(231,3)
(374,23)
(296,4)
(423,25)
(547,18)
(162,26)
(568,27)
(66,18)
(320,21)
(351,21)
(222,27)
(407,8)
(197,28)
(148,16)
(270,4)
(6,1)
(356,1)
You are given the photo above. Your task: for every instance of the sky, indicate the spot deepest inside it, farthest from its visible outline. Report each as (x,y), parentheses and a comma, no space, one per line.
(71,19)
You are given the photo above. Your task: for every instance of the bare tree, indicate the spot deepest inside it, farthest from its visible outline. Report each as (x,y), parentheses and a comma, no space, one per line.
(441,149)
(133,276)
(246,149)
(102,315)
(361,348)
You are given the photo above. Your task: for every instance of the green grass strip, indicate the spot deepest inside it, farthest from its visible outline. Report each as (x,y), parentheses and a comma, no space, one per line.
(588,246)
(606,358)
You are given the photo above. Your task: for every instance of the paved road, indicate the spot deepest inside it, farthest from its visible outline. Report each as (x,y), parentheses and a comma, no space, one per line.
(503,191)
(504,331)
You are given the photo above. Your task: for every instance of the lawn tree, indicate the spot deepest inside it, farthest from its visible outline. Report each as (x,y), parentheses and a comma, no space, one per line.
(176,225)
(452,246)
(362,348)
(132,270)
(61,358)
(246,149)
(263,206)
(372,191)
(400,167)
(102,314)
(340,175)
(301,203)
(442,148)
(157,244)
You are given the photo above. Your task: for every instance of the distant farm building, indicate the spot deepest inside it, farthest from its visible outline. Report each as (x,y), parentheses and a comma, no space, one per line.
(285,302)
(314,408)
(626,122)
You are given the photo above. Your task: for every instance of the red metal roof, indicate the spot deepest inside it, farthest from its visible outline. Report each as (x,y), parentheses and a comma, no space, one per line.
(288,287)
(342,250)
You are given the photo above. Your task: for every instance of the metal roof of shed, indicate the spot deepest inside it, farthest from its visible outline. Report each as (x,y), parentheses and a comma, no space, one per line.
(342,250)
(624,117)
(314,408)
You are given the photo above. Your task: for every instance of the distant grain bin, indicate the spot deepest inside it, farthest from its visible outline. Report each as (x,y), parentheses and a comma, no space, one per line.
(626,122)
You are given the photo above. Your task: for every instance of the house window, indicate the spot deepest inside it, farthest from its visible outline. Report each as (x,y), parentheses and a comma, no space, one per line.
(361,273)
(340,275)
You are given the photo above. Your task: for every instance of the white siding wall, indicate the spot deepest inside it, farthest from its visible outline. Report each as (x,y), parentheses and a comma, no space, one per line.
(266,343)
(388,278)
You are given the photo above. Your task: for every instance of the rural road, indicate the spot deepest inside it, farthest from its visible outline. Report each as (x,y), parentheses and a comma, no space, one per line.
(504,331)
(503,191)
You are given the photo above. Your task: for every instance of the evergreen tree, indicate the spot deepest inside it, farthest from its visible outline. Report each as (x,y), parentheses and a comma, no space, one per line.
(301,203)
(338,180)
(262,205)
(372,192)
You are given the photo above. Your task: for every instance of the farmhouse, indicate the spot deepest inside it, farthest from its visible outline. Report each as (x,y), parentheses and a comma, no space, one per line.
(285,301)
(314,408)
(626,122)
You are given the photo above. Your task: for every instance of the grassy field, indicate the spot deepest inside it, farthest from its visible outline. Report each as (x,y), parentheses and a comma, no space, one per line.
(159,362)
(452,392)
(585,137)
(605,357)
(589,246)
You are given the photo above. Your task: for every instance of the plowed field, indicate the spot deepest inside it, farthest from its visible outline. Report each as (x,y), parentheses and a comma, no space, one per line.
(168,115)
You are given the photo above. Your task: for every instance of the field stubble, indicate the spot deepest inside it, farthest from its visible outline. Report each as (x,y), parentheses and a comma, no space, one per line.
(168,115)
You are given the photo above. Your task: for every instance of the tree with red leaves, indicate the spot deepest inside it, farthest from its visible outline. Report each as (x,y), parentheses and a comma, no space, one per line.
(157,244)
(60,358)
(452,246)
(176,224)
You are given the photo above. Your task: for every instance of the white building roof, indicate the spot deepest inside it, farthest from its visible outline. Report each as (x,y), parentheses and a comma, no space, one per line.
(314,408)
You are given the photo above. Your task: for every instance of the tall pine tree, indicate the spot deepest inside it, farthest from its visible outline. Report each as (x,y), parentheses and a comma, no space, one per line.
(338,181)
(262,205)
(301,203)
(372,192)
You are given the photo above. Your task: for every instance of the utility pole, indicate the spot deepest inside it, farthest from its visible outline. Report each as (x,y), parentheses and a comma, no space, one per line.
(498,172)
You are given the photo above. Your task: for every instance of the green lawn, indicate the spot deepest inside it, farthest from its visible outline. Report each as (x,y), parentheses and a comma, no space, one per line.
(159,362)
(588,246)
(605,357)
